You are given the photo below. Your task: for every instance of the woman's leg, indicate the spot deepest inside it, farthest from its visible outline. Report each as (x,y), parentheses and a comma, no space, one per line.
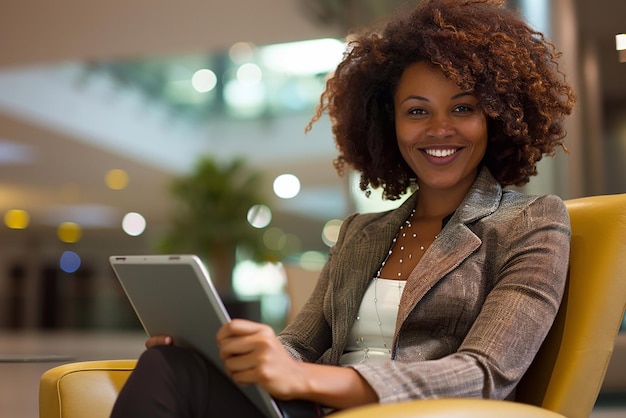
(177,382)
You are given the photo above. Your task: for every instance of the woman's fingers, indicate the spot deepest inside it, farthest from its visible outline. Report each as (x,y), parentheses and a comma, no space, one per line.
(242,336)
(238,328)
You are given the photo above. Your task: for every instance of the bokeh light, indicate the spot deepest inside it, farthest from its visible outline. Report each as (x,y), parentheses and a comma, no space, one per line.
(259,216)
(247,100)
(249,74)
(312,260)
(316,56)
(69,232)
(16,219)
(116,179)
(286,186)
(620,41)
(275,239)
(293,244)
(69,262)
(251,279)
(133,224)
(241,52)
(204,80)
(330,232)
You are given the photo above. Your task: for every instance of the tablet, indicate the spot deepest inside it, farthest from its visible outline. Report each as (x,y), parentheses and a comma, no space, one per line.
(173,295)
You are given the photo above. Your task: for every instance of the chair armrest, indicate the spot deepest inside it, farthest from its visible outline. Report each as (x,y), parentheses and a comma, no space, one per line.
(449,408)
(82,389)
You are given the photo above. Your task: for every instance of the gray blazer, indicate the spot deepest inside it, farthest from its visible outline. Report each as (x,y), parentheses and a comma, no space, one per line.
(474,311)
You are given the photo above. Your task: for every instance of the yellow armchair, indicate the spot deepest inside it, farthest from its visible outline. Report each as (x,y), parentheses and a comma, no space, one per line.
(82,389)
(564,379)
(568,371)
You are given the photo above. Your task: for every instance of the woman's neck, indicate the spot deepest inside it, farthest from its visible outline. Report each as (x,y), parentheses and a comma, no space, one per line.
(437,203)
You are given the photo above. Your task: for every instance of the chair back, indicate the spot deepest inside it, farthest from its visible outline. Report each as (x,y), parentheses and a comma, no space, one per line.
(82,389)
(568,371)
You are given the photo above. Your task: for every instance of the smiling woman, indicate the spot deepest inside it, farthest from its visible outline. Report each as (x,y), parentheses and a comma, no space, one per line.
(456,99)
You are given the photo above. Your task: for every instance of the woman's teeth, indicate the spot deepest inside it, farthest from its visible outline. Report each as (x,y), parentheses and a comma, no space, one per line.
(440,152)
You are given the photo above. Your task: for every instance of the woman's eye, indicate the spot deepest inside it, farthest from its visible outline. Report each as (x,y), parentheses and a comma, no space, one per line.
(463,109)
(417,111)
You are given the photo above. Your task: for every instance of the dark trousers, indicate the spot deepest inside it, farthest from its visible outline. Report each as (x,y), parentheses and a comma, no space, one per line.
(177,382)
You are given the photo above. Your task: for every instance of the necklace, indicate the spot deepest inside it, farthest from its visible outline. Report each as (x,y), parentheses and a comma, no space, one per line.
(405,239)
(402,242)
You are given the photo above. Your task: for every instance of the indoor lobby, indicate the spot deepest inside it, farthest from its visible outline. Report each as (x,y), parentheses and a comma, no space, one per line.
(107,107)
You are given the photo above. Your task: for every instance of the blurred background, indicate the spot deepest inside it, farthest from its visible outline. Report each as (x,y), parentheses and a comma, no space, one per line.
(105,105)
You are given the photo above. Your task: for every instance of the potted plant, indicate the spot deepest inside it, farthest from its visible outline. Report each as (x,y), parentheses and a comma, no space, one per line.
(210,218)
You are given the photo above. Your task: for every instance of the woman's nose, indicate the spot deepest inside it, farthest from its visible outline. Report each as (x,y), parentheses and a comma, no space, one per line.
(440,127)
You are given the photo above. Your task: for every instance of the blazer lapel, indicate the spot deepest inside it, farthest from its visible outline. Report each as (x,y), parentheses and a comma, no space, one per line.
(446,253)
(455,243)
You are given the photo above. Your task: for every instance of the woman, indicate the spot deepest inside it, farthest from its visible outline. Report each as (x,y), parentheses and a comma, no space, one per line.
(452,293)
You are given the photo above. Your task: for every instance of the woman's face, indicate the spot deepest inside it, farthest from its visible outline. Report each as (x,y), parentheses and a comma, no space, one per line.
(441,132)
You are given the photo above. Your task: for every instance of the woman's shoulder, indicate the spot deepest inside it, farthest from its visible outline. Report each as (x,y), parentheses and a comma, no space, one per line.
(515,198)
(371,222)
(359,220)
(549,205)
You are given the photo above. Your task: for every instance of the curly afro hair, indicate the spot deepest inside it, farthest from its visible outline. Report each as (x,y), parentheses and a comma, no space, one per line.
(483,47)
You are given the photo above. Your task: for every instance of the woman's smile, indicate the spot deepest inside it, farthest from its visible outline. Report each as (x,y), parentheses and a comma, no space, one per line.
(441,155)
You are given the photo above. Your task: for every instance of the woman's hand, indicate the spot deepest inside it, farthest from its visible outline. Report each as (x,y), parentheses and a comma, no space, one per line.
(158,340)
(253,355)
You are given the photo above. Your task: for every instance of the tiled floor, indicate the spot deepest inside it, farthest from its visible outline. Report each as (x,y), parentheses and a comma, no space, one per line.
(25,356)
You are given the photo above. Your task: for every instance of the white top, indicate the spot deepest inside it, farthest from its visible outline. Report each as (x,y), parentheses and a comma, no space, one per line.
(371,336)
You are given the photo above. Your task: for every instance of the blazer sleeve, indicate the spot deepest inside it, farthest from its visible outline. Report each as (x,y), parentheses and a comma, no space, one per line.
(530,269)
